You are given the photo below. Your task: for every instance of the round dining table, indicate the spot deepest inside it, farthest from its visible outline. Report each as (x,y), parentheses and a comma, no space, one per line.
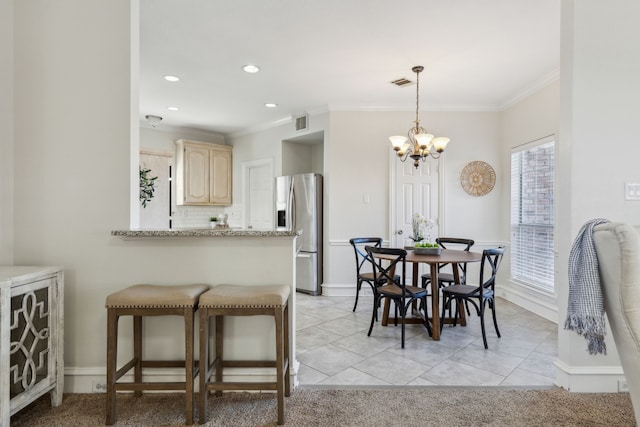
(446,256)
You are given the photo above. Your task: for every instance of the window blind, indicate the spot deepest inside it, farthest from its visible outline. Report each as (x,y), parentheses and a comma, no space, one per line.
(532,214)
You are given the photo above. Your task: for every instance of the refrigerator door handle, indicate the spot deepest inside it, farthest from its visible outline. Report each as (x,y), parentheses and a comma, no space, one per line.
(292,207)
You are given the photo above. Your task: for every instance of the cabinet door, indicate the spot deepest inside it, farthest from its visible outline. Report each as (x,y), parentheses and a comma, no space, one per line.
(197,175)
(220,177)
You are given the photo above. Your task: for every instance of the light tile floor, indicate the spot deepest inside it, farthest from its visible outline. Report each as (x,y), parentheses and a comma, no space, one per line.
(334,349)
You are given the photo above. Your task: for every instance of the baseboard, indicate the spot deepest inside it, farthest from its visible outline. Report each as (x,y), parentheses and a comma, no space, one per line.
(536,302)
(590,379)
(94,380)
(344,290)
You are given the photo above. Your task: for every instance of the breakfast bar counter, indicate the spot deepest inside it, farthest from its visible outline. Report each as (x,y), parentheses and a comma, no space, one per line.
(203,232)
(211,256)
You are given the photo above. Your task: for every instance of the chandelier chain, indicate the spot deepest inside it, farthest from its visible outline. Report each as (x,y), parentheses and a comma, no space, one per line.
(417,99)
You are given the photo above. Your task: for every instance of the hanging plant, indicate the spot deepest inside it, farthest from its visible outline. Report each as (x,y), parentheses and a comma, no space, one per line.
(147,186)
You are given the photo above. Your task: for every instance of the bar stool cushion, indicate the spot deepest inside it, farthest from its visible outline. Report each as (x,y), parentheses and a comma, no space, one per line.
(236,296)
(156,296)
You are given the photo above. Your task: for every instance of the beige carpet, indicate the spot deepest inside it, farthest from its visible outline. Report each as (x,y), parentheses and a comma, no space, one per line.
(436,406)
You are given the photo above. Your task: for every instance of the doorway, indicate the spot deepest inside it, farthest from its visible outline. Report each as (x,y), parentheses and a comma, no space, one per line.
(257,205)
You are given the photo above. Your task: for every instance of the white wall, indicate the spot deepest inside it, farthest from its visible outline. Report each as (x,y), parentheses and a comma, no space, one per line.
(72,183)
(598,153)
(358,162)
(6,132)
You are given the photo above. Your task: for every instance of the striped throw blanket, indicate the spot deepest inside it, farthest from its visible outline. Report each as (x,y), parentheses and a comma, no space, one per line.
(585,312)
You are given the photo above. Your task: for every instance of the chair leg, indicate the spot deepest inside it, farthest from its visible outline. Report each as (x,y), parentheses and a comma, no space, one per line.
(376,301)
(403,313)
(112,351)
(358,287)
(279,364)
(492,304)
(188,363)
(426,316)
(287,379)
(204,366)
(219,350)
(137,352)
(484,332)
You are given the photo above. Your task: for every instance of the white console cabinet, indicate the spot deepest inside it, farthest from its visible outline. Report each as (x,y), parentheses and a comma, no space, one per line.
(31,337)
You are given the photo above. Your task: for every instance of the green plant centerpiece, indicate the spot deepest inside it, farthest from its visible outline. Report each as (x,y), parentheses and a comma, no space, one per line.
(147,186)
(427,248)
(426,245)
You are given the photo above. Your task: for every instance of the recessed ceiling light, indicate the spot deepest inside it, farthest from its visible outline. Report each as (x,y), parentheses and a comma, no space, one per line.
(251,68)
(173,108)
(172,78)
(270,105)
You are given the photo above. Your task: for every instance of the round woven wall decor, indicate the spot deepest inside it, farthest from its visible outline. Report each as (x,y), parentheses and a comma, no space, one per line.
(478,178)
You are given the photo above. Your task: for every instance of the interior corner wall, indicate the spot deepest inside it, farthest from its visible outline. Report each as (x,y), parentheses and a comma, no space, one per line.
(357,162)
(599,152)
(532,118)
(6,132)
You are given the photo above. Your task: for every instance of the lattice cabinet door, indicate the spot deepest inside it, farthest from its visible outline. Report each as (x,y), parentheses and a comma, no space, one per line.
(31,337)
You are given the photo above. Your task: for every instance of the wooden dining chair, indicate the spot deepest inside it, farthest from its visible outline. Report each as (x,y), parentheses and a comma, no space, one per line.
(393,275)
(479,295)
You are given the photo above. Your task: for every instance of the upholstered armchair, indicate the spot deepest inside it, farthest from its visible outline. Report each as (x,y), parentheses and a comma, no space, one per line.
(618,249)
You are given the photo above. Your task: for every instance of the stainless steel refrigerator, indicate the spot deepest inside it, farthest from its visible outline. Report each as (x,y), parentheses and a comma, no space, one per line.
(299,207)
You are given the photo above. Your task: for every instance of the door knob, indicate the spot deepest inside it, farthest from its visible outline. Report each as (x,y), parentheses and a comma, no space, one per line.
(399,231)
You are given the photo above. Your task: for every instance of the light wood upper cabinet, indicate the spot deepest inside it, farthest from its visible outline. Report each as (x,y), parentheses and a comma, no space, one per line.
(203,175)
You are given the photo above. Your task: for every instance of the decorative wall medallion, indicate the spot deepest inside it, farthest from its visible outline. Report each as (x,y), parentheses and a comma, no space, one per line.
(478,178)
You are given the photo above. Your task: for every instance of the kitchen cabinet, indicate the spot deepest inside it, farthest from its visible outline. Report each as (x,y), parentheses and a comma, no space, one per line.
(31,337)
(203,173)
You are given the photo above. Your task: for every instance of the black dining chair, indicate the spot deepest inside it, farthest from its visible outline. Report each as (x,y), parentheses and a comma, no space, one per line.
(479,295)
(364,270)
(447,278)
(395,288)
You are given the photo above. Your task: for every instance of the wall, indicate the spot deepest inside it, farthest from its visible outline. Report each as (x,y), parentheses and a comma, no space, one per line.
(6,132)
(72,183)
(530,119)
(598,153)
(268,144)
(358,161)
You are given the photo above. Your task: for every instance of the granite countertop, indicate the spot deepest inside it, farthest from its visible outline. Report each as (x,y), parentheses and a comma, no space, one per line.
(203,232)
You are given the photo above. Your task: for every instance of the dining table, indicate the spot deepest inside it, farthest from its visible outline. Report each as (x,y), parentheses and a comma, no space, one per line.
(446,256)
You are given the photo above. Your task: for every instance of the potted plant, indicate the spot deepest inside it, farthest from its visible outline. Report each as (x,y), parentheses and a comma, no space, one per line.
(213,221)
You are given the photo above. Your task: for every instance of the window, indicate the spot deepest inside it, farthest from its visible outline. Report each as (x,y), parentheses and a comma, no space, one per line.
(532,218)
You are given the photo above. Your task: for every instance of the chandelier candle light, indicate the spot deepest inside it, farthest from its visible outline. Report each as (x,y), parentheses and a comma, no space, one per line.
(421,144)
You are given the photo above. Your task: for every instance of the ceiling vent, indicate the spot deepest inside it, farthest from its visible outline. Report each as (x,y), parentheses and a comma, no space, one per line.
(402,82)
(302,122)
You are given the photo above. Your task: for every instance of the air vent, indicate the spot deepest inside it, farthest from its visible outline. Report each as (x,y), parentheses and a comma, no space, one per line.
(401,82)
(302,122)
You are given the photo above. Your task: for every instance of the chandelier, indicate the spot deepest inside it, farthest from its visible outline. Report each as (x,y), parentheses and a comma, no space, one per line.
(420,144)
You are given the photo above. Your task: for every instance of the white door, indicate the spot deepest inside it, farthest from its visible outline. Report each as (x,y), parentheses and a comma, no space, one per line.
(259,211)
(414,191)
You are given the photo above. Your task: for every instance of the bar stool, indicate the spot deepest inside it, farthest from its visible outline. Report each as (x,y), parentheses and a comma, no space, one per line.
(231,300)
(150,300)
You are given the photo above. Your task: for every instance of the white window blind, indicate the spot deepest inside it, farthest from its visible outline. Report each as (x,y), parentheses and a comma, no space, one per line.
(532,219)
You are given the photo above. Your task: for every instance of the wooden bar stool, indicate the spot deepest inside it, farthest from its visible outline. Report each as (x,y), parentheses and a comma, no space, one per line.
(150,300)
(230,300)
